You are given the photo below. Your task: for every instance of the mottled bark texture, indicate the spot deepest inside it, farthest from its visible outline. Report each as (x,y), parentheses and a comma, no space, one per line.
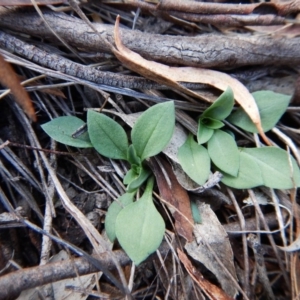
(66,66)
(206,50)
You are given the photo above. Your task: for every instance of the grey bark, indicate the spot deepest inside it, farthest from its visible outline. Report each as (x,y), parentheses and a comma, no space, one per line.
(207,50)
(66,66)
(281,8)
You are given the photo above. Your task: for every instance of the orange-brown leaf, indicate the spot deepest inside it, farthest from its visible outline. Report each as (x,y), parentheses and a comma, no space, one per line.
(174,194)
(54,92)
(212,291)
(9,78)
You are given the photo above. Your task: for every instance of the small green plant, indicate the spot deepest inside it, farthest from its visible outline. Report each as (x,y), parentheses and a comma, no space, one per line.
(137,225)
(241,167)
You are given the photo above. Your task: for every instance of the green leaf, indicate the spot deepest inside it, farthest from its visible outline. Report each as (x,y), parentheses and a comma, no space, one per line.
(113,211)
(194,160)
(249,174)
(107,136)
(230,133)
(224,153)
(271,107)
(132,157)
(62,128)
(195,212)
(135,177)
(267,166)
(204,133)
(212,123)
(131,175)
(153,130)
(275,167)
(222,107)
(139,179)
(139,227)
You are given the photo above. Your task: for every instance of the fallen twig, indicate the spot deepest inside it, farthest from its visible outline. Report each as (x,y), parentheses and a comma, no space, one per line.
(11,285)
(282,8)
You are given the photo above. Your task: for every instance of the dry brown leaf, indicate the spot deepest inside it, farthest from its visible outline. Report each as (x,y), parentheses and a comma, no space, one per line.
(211,291)
(54,92)
(170,75)
(149,69)
(9,78)
(174,194)
(211,235)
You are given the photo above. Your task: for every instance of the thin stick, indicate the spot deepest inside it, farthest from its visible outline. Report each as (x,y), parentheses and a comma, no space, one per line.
(244,240)
(9,143)
(54,33)
(272,242)
(7,91)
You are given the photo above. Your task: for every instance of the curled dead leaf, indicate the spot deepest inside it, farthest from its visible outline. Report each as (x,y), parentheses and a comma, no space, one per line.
(211,233)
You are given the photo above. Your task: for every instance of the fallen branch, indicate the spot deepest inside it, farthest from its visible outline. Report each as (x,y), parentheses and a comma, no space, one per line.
(282,8)
(12,284)
(66,66)
(230,20)
(209,50)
